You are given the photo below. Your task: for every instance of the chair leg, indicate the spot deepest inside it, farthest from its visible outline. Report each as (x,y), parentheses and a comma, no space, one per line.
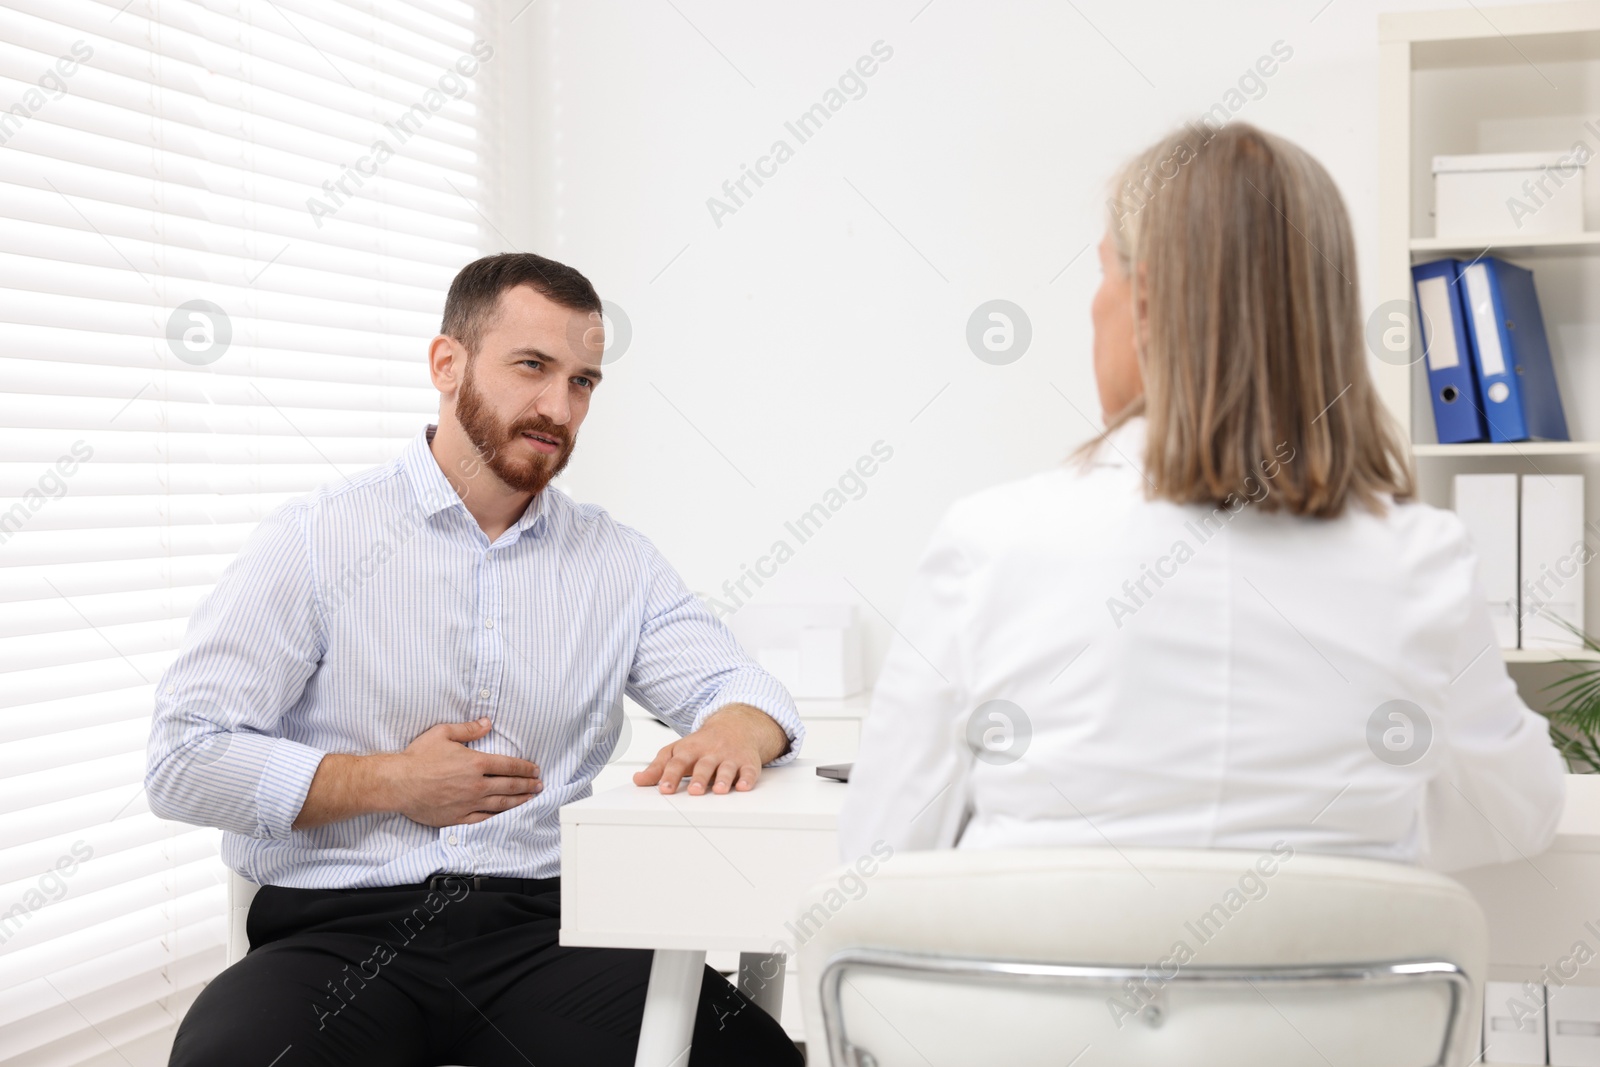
(761,980)
(670,1003)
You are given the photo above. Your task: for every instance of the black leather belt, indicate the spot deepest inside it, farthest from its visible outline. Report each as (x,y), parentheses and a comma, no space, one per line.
(451,884)
(493,883)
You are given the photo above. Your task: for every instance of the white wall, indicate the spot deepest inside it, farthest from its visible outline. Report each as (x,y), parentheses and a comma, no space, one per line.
(774,350)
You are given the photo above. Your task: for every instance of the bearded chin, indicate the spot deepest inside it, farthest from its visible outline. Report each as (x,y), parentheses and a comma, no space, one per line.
(496,444)
(532,474)
(526,474)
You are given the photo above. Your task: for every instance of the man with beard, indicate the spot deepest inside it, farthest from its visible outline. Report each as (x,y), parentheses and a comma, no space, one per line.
(396,685)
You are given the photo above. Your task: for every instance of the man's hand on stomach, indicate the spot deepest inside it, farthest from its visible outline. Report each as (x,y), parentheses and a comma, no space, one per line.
(436,781)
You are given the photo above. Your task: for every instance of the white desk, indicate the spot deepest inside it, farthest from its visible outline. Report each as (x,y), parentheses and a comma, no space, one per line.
(1537,907)
(683,874)
(727,872)
(833,732)
(1540,909)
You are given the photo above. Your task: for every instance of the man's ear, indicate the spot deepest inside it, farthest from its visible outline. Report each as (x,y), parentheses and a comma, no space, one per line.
(447,362)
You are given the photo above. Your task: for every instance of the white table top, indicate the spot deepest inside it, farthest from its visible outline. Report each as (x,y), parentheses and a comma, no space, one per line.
(1581,818)
(795,797)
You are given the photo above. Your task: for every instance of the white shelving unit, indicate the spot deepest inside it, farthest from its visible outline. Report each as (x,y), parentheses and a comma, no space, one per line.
(1516,449)
(1540,655)
(1495,79)
(1501,244)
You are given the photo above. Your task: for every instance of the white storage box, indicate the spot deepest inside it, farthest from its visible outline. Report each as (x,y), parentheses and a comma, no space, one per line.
(813,649)
(1507,193)
(1552,560)
(1513,1023)
(1574,1026)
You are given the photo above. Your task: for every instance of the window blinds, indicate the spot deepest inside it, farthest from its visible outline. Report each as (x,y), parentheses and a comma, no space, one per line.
(226,230)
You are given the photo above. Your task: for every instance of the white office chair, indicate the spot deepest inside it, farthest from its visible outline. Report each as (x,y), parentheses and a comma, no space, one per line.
(1033,956)
(241,891)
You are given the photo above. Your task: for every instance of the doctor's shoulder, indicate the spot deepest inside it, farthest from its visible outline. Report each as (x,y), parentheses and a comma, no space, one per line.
(1049,504)
(1421,544)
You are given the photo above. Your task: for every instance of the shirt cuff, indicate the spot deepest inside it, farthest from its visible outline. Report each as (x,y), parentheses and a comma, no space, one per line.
(760,690)
(282,788)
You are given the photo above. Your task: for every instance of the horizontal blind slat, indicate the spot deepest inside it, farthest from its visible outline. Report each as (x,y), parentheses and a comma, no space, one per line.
(150,352)
(149,446)
(182,175)
(198,898)
(138,1010)
(69,747)
(111,805)
(236,386)
(112,513)
(82,1035)
(91,643)
(382,27)
(222,106)
(118,480)
(29,547)
(143,409)
(352,81)
(72,171)
(89,890)
(41,239)
(22,791)
(28,860)
(74,713)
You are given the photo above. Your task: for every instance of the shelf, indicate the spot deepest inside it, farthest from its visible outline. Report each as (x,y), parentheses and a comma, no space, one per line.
(1469,79)
(1513,450)
(1506,242)
(1546,655)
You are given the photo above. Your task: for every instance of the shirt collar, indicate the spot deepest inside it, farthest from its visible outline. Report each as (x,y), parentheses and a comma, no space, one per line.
(435,493)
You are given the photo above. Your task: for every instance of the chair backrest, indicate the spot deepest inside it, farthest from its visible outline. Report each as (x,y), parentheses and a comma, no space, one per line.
(1145,956)
(240,892)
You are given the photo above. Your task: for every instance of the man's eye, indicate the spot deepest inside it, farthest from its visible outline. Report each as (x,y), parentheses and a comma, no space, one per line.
(587,383)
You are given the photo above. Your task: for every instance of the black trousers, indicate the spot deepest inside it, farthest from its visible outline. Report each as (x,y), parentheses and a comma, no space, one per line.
(409,976)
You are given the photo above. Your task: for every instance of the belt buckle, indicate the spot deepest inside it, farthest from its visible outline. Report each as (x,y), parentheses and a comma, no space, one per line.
(437,881)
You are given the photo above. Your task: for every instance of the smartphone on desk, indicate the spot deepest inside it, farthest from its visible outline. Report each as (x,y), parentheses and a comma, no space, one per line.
(839,772)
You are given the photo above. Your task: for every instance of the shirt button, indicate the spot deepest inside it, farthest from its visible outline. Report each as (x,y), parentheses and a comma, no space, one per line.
(451,839)
(489,623)
(484,693)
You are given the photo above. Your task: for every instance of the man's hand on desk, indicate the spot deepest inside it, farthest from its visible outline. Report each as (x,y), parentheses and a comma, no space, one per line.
(436,781)
(725,753)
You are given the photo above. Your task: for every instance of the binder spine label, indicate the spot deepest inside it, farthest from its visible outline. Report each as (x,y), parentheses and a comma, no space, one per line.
(1485,324)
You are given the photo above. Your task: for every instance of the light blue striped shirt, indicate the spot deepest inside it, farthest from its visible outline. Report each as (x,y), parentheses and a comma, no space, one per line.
(362,614)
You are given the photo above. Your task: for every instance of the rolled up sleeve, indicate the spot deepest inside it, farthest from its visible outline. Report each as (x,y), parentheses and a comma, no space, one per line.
(688,664)
(216,756)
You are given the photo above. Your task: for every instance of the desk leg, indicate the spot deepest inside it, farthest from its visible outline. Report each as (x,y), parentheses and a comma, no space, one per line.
(670,1004)
(761,980)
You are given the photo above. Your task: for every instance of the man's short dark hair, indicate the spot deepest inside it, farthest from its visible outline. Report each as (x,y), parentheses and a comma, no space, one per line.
(475,293)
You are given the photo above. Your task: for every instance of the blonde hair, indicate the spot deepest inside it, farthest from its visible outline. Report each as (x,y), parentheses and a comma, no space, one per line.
(1237,245)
